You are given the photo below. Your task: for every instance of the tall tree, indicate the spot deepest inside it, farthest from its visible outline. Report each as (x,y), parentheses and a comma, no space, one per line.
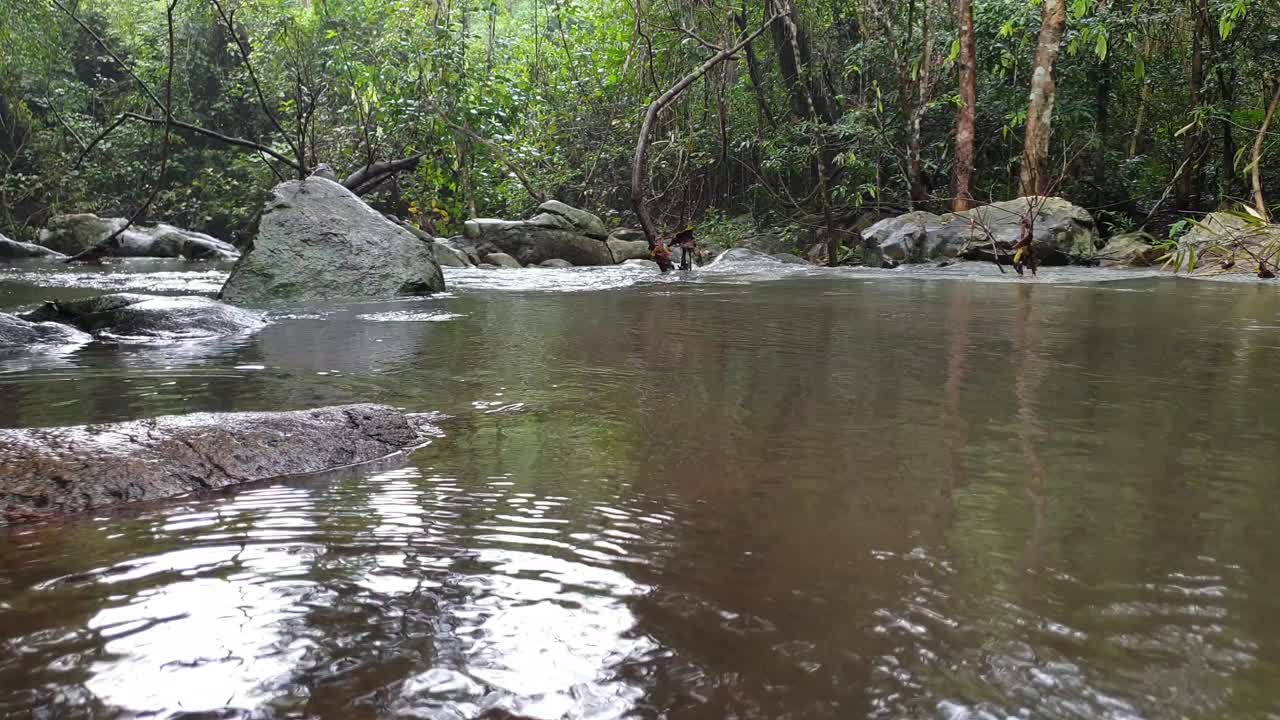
(1034,176)
(966,113)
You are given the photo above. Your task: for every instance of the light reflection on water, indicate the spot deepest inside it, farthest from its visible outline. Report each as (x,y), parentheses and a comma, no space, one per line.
(827,496)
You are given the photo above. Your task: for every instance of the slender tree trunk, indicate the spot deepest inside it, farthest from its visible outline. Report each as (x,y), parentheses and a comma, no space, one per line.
(1188,185)
(1144,98)
(966,114)
(1101,124)
(753,69)
(915,168)
(1034,178)
(1260,202)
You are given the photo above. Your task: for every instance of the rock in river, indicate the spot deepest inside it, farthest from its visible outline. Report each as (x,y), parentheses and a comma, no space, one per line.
(1063,233)
(50,471)
(149,316)
(16,333)
(12,249)
(317,241)
(71,234)
(556,231)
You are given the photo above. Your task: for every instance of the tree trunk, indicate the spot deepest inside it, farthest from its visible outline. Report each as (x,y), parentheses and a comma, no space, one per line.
(1034,177)
(1188,185)
(966,114)
(1101,123)
(1260,202)
(753,69)
(915,168)
(1144,98)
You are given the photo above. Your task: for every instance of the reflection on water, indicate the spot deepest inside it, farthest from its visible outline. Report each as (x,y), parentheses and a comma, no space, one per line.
(838,494)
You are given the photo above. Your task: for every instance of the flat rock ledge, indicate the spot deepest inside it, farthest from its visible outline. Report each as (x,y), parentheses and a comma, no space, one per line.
(46,472)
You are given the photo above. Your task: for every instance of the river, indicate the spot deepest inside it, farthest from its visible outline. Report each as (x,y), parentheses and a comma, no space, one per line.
(760,493)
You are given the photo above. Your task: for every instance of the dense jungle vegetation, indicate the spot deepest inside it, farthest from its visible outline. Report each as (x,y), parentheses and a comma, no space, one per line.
(1144,111)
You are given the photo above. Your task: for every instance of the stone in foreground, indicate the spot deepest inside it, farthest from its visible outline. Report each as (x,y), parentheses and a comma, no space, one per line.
(318,242)
(502,260)
(18,333)
(46,472)
(130,315)
(12,250)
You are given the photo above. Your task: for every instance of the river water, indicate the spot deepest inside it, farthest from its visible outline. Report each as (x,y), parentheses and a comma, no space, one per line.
(756,493)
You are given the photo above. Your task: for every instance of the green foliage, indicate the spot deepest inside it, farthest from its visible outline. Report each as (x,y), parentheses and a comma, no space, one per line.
(559,86)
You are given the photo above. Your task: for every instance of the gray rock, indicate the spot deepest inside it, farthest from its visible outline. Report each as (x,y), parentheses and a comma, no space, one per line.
(742,255)
(129,315)
(553,222)
(1062,233)
(501,260)
(555,263)
(530,243)
(72,234)
(12,249)
(624,250)
(487,266)
(449,256)
(629,235)
(912,238)
(17,333)
(317,241)
(585,222)
(1135,249)
(789,259)
(646,264)
(326,171)
(52,471)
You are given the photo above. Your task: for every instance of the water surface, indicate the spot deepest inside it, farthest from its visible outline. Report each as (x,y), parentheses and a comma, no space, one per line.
(750,494)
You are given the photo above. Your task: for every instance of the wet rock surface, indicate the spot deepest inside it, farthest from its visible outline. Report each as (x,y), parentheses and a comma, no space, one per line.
(12,249)
(556,231)
(149,316)
(319,241)
(71,234)
(46,472)
(1063,233)
(17,333)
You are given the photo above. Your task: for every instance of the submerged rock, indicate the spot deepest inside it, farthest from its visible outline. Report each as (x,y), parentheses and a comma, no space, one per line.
(789,259)
(12,249)
(318,241)
(647,264)
(149,316)
(71,234)
(743,255)
(1062,233)
(555,263)
(50,471)
(17,333)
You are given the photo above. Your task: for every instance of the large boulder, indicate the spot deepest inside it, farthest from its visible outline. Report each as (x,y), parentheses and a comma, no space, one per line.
(915,237)
(628,235)
(556,231)
(624,250)
(12,250)
(72,234)
(1062,233)
(128,315)
(447,255)
(583,221)
(318,241)
(51,471)
(17,333)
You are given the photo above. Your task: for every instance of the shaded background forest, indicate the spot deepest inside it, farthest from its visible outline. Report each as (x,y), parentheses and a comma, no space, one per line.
(1158,106)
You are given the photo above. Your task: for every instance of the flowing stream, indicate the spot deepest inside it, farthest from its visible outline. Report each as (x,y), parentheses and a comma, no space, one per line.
(757,492)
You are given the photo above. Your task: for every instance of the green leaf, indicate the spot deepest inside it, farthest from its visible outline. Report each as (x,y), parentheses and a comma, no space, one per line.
(955,51)
(1100,48)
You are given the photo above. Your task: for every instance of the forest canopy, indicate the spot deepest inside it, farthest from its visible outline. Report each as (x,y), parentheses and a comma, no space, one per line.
(1144,111)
